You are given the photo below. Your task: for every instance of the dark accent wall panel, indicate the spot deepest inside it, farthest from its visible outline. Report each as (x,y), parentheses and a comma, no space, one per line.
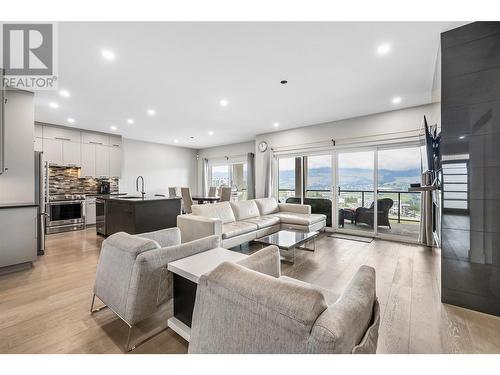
(470,121)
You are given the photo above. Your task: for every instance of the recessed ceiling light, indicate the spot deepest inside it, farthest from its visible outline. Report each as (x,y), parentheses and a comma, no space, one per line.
(151,112)
(112,127)
(383,48)
(176,141)
(461,137)
(276,124)
(64,93)
(223,102)
(108,55)
(130,121)
(210,133)
(53,105)
(284,82)
(396,100)
(71,120)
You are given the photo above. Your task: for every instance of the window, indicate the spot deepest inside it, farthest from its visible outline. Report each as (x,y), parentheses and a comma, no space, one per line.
(287,178)
(230,174)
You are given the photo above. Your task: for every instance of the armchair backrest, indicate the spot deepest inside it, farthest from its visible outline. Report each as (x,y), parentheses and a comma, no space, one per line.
(384,204)
(350,324)
(116,267)
(239,310)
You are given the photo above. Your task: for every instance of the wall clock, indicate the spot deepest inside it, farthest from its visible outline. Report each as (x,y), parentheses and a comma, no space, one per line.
(263,146)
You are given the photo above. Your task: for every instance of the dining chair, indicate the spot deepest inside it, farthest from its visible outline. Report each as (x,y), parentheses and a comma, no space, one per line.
(172,192)
(225,193)
(187,200)
(212,192)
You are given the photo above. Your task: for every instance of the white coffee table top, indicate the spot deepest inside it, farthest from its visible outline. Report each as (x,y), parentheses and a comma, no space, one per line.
(194,266)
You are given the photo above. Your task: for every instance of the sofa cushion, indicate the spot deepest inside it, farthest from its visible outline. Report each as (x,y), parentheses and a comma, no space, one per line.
(267,206)
(264,221)
(245,209)
(222,211)
(300,219)
(237,228)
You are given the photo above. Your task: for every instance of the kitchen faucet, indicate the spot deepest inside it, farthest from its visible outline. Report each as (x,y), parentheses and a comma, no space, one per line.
(142,185)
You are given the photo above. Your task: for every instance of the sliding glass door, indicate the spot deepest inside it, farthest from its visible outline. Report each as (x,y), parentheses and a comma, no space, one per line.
(355,192)
(399,209)
(362,191)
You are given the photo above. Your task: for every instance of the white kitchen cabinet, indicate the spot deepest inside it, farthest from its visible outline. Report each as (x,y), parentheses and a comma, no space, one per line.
(90,211)
(38,144)
(95,138)
(115,161)
(38,131)
(71,153)
(115,140)
(18,233)
(63,134)
(88,160)
(101,161)
(53,151)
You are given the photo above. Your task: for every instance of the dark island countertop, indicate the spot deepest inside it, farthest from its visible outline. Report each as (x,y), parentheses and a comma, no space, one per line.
(18,205)
(138,198)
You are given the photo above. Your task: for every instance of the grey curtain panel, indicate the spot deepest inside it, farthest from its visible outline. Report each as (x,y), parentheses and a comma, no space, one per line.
(250,176)
(426,237)
(268,187)
(204,177)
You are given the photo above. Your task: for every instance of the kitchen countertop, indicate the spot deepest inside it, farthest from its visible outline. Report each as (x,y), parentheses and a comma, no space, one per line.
(18,205)
(138,198)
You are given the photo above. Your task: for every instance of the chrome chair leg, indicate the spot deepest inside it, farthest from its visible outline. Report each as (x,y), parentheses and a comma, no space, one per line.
(92,306)
(127,349)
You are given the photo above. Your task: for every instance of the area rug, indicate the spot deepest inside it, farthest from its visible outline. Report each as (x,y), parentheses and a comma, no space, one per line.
(351,237)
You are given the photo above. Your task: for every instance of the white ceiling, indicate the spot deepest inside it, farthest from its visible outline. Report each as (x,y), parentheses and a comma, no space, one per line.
(183,70)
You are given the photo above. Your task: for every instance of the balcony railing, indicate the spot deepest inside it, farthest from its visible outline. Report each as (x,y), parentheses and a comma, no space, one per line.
(327,194)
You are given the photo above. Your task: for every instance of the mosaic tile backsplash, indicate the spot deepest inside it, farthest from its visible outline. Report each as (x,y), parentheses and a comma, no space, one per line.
(64,180)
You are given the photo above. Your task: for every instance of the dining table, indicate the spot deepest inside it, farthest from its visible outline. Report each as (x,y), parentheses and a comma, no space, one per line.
(203,200)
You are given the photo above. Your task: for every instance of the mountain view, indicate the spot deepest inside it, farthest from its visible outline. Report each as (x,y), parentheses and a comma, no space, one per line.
(352,179)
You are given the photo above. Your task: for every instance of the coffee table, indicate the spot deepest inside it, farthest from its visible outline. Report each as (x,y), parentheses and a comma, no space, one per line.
(187,271)
(288,241)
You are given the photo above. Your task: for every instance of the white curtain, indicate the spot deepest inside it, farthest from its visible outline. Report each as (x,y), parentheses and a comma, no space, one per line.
(204,177)
(250,176)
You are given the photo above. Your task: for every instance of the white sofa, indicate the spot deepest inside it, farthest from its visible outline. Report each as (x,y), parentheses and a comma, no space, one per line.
(239,222)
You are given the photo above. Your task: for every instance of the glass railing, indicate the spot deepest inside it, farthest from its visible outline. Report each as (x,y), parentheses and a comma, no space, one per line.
(405,208)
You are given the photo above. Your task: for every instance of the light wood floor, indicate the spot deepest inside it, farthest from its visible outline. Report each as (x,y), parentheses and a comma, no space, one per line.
(46,309)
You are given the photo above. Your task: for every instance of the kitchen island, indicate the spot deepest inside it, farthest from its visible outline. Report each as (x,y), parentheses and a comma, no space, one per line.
(136,214)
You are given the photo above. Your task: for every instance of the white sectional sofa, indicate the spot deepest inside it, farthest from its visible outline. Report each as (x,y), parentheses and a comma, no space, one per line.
(239,222)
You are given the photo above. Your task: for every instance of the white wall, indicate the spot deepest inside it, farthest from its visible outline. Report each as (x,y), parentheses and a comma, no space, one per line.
(160,165)
(379,126)
(220,152)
